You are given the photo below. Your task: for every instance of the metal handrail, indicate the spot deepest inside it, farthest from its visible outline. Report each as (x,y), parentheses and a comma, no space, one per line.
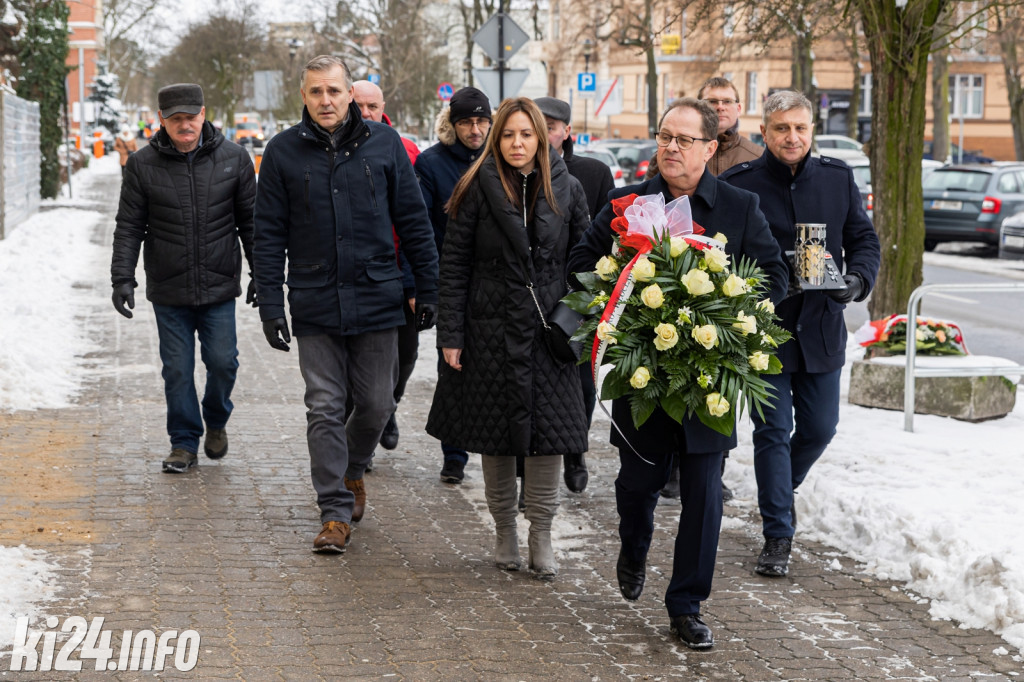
(911,371)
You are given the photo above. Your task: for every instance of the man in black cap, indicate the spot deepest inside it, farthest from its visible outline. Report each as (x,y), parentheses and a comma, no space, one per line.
(461,130)
(188,195)
(597,181)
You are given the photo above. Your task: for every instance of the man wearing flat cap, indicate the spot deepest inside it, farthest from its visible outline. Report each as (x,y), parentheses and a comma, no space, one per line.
(461,129)
(188,197)
(597,181)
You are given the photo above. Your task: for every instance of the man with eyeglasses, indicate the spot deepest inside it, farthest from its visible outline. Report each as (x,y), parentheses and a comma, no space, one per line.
(461,129)
(686,141)
(797,188)
(733,148)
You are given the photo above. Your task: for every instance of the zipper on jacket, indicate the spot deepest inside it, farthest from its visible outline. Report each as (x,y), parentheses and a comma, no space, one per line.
(524,200)
(369,176)
(195,229)
(305,197)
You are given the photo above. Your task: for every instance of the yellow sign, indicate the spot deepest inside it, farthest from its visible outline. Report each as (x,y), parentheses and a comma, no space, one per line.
(670,43)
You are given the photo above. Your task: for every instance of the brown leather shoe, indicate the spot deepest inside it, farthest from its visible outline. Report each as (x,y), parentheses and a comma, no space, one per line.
(359,490)
(333,538)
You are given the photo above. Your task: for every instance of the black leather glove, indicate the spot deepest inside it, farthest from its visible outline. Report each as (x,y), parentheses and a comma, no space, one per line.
(250,294)
(124,293)
(276,331)
(854,288)
(426,315)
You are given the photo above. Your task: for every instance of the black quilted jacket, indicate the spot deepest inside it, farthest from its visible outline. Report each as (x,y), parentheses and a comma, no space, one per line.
(511,397)
(188,216)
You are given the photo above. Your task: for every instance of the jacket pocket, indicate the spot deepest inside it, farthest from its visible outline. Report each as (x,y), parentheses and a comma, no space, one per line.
(383,270)
(306,275)
(369,178)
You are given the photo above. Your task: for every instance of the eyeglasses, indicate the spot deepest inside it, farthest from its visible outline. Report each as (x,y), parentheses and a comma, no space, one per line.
(726,102)
(470,123)
(684,142)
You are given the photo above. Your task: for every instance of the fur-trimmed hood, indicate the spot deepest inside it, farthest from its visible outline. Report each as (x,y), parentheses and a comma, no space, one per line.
(444,128)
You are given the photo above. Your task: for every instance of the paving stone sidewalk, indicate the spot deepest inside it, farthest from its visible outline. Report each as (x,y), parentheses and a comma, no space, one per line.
(225,550)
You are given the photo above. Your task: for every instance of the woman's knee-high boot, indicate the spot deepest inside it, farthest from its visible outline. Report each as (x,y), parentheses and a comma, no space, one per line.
(500,491)
(542,474)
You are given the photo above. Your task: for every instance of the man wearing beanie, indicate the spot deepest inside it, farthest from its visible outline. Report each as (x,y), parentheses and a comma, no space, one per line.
(461,130)
(188,196)
(597,181)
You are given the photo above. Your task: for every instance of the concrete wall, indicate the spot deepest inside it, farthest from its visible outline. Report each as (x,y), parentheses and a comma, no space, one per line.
(19,161)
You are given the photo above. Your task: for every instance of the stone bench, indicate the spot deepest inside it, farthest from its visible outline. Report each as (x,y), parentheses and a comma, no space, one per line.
(879,382)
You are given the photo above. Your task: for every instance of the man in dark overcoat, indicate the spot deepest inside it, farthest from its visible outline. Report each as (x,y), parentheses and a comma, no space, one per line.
(686,140)
(795,187)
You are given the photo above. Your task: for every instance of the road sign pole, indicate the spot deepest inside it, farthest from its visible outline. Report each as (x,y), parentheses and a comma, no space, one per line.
(501,59)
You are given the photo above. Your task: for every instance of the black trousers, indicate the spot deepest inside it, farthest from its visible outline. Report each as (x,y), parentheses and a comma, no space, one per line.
(700,521)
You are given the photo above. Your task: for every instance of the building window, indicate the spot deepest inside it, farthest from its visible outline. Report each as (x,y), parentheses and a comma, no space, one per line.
(752,92)
(864,109)
(966,95)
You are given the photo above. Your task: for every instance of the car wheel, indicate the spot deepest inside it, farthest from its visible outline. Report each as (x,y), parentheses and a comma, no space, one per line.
(930,244)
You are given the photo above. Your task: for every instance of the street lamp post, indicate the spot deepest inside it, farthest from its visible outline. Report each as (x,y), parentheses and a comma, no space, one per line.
(467,68)
(588,49)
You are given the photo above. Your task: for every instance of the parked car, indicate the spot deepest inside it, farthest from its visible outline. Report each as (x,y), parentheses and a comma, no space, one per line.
(954,154)
(1011,237)
(839,147)
(606,157)
(970,202)
(862,176)
(633,155)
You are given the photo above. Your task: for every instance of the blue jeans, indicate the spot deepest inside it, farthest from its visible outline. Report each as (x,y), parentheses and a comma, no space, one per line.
(783,455)
(450,452)
(177,327)
(700,521)
(340,447)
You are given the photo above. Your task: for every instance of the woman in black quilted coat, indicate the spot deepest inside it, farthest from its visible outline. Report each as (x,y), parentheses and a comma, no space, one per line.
(513,217)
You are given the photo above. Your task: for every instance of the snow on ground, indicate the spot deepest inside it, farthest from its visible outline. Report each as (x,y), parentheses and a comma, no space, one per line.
(939,509)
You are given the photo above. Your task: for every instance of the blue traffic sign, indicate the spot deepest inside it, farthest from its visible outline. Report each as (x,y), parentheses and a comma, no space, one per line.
(586,81)
(583,139)
(445,91)
(374,78)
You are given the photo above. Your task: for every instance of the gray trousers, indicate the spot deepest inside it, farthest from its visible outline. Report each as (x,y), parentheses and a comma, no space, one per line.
(332,366)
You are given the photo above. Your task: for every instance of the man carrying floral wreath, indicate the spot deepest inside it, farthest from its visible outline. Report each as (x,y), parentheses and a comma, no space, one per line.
(795,187)
(686,140)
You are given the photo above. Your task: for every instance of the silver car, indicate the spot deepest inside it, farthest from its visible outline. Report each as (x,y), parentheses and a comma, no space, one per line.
(606,157)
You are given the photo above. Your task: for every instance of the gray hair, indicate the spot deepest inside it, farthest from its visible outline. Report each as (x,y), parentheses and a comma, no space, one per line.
(708,116)
(326,62)
(785,100)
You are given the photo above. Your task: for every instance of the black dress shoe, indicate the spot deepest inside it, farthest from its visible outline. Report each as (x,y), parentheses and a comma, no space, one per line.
(692,630)
(575,473)
(631,575)
(389,438)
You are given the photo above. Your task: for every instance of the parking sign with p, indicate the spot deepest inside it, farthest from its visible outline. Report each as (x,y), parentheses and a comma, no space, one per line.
(586,81)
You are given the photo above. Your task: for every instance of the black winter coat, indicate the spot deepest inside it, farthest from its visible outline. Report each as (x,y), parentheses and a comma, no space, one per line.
(716,207)
(594,175)
(822,191)
(328,213)
(188,215)
(511,396)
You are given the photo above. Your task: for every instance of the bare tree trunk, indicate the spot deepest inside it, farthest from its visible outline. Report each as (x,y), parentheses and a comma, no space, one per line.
(852,129)
(898,40)
(940,104)
(652,71)
(1009,30)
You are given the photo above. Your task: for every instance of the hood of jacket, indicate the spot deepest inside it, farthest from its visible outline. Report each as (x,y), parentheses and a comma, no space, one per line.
(444,128)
